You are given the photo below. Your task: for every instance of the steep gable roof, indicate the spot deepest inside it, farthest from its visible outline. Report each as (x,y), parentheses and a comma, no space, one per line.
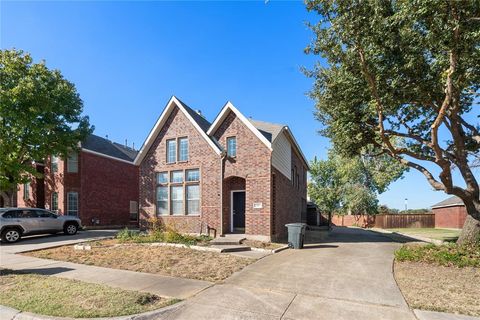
(229,107)
(449,202)
(199,119)
(103,146)
(198,122)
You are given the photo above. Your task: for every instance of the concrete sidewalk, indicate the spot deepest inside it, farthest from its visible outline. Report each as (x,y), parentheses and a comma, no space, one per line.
(164,286)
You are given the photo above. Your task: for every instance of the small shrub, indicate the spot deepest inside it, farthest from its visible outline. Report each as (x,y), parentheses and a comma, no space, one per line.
(126,235)
(164,234)
(147,298)
(444,255)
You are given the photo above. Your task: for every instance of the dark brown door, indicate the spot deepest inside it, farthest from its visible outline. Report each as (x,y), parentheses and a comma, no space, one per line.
(239,210)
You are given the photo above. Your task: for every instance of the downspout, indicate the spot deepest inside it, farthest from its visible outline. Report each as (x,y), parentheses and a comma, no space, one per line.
(223,156)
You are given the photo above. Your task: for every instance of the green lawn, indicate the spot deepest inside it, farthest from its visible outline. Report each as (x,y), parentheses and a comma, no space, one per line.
(449,235)
(54,296)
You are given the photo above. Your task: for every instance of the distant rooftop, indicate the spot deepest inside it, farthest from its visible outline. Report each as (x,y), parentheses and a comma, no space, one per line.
(449,202)
(109,148)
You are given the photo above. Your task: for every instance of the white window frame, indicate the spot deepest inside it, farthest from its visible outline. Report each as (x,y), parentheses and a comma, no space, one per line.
(52,207)
(187,199)
(69,210)
(179,152)
(72,162)
(54,164)
(229,151)
(181,200)
(173,150)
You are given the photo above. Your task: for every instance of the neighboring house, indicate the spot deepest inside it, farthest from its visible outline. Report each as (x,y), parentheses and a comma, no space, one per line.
(99,184)
(450,213)
(235,175)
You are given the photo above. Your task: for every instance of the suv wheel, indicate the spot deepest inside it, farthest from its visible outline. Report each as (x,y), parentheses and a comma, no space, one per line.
(70,228)
(11,235)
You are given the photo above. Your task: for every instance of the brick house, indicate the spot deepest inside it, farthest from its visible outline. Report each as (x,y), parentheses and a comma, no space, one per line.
(450,213)
(99,184)
(234,175)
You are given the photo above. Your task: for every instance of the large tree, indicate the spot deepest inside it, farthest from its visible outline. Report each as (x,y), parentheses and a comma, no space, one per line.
(351,184)
(40,115)
(409,70)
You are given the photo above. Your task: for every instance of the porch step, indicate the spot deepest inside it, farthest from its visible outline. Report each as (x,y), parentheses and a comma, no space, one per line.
(231,248)
(228,240)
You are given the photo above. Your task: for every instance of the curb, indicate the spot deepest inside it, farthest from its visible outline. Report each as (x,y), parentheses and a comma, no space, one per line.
(7,313)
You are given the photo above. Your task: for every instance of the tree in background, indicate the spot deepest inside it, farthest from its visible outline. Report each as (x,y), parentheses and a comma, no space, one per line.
(349,185)
(405,70)
(40,115)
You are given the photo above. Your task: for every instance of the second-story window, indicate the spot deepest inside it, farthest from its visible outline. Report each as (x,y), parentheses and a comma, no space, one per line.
(54,164)
(54,205)
(183,149)
(232,147)
(26,191)
(72,162)
(171,151)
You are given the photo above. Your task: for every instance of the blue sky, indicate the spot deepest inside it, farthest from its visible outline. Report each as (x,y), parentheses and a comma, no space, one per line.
(128,58)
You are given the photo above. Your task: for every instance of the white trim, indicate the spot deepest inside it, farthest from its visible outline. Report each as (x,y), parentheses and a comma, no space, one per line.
(173,102)
(231,206)
(106,156)
(458,204)
(223,114)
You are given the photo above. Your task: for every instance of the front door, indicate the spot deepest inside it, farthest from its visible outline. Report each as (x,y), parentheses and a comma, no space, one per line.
(238,210)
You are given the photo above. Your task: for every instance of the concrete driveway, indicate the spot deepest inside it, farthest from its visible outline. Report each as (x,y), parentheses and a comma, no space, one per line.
(47,241)
(347,276)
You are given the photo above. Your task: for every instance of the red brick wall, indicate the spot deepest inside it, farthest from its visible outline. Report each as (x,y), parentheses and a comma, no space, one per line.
(36,191)
(107,187)
(201,156)
(450,217)
(253,163)
(289,200)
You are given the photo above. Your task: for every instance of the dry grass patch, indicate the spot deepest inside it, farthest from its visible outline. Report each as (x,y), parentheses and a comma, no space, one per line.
(171,261)
(262,245)
(439,288)
(70,298)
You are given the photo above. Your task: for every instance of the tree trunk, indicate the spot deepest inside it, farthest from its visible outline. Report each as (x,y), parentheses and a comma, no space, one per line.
(471,232)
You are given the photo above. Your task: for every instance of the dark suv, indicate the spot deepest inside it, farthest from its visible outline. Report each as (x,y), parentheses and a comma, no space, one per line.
(17,222)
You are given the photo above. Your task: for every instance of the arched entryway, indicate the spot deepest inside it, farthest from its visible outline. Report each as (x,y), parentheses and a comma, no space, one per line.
(234,196)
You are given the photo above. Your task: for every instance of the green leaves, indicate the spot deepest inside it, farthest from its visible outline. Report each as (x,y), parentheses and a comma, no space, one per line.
(350,184)
(40,115)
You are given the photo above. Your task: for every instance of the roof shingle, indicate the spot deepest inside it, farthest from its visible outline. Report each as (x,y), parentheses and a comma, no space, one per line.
(109,148)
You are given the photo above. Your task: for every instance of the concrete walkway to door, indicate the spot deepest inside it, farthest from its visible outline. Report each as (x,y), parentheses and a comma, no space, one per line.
(347,276)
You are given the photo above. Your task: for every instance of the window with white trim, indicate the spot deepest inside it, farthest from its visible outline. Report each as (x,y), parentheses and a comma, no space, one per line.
(178,192)
(177,176)
(72,162)
(171,151)
(232,147)
(26,191)
(72,203)
(54,204)
(162,200)
(54,164)
(193,199)
(182,149)
(176,200)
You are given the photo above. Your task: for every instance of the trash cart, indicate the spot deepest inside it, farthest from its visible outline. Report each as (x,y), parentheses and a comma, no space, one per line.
(296,235)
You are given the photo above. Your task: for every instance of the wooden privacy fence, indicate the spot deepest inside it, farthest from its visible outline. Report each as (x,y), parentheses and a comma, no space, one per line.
(386,221)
